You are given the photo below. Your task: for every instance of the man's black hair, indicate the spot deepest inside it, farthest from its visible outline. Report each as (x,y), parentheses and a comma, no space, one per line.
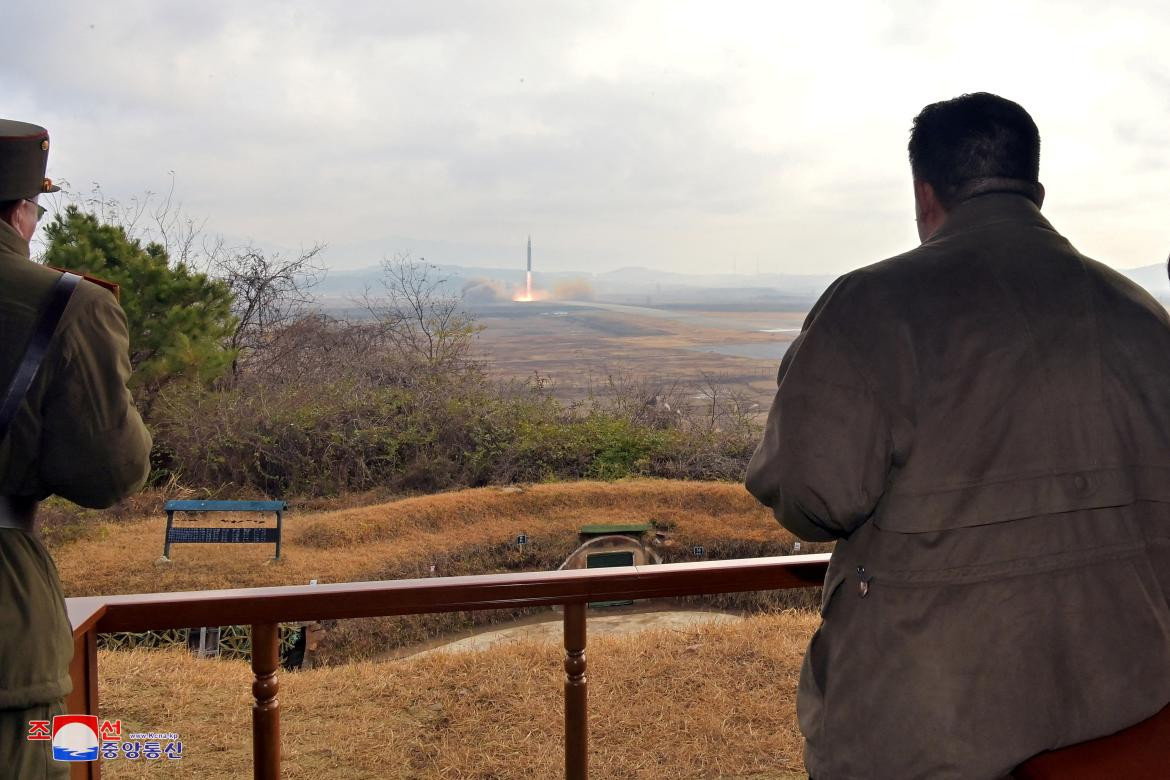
(975,136)
(9,206)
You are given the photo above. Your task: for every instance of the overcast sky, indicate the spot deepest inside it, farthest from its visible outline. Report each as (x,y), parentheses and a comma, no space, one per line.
(683,136)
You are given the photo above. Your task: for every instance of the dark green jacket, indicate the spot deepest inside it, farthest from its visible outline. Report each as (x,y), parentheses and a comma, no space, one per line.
(983,424)
(77,435)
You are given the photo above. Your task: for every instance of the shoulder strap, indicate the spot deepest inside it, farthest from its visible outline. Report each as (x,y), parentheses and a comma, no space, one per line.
(38,345)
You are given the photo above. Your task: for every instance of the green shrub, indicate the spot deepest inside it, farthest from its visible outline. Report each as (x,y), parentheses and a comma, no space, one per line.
(448,432)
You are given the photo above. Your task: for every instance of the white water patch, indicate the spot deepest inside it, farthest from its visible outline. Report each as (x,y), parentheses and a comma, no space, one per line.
(755,350)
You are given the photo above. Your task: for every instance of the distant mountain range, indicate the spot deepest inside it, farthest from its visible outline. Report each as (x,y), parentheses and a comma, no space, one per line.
(634,284)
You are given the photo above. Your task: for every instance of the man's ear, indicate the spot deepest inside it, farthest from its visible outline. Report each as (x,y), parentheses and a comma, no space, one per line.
(7,210)
(1039,194)
(927,201)
(928,211)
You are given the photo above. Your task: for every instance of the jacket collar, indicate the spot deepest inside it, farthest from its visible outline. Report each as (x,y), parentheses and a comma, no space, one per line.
(988,208)
(11,242)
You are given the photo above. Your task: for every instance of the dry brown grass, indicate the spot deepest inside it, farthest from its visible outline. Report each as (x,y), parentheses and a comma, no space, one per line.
(402,538)
(464,532)
(705,701)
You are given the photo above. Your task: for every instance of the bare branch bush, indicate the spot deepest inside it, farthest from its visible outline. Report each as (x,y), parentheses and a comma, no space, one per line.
(639,398)
(179,233)
(316,349)
(723,407)
(151,217)
(713,405)
(271,292)
(424,327)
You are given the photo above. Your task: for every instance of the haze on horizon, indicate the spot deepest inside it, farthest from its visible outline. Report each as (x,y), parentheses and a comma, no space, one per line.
(686,137)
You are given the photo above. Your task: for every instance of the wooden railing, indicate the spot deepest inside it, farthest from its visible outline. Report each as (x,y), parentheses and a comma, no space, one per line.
(265,608)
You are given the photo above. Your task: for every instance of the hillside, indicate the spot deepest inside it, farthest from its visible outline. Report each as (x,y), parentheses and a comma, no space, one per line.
(402,538)
(462,532)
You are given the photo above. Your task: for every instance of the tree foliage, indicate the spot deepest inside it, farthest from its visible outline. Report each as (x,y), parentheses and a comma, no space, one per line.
(180,321)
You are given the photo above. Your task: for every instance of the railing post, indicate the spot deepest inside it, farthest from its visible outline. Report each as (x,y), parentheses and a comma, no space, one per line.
(266,707)
(84,698)
(576,689)
(167,538)
(279,525)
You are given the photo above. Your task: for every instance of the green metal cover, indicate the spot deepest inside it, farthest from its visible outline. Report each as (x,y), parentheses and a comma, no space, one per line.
(603,560)
(606,560)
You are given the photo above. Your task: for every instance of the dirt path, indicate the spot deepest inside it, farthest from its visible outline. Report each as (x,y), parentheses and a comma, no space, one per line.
(599,625)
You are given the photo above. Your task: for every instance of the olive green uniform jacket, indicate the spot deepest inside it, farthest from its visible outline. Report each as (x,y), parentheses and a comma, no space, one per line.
(983,424)
(77,435)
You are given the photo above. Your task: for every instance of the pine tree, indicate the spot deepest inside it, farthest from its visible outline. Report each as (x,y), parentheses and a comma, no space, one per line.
(179,320)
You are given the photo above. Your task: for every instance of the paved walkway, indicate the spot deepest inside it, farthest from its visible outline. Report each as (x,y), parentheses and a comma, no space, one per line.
(599,625)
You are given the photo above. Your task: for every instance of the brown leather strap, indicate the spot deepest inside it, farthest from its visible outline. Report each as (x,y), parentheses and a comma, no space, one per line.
(38,345)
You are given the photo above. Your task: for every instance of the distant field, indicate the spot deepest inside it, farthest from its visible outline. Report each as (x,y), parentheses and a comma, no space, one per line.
(708,701)
(577,346)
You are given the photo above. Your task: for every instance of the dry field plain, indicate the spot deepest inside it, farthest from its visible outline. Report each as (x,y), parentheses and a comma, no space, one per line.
(579,346)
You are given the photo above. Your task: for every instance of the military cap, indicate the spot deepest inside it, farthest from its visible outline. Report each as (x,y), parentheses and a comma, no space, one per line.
(24,157)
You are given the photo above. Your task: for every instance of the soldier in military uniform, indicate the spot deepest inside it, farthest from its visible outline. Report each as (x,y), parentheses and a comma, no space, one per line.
(72,430)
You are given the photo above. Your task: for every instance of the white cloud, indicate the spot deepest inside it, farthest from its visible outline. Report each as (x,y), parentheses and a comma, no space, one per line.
(668,134)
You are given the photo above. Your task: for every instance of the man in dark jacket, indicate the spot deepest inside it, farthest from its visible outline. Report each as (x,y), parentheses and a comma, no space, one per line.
(983,426)
(73,431)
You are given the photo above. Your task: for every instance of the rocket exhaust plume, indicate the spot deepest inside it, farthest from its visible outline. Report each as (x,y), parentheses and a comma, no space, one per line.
(528,294)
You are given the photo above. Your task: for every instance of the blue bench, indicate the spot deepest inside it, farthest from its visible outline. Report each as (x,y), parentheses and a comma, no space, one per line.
(223,535)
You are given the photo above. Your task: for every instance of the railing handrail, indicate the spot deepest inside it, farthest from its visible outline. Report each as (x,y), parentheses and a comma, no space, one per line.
(291,603)
(265,608)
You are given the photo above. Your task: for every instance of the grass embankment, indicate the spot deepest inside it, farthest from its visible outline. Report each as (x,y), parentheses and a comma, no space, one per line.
(705,701)
(464,532)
